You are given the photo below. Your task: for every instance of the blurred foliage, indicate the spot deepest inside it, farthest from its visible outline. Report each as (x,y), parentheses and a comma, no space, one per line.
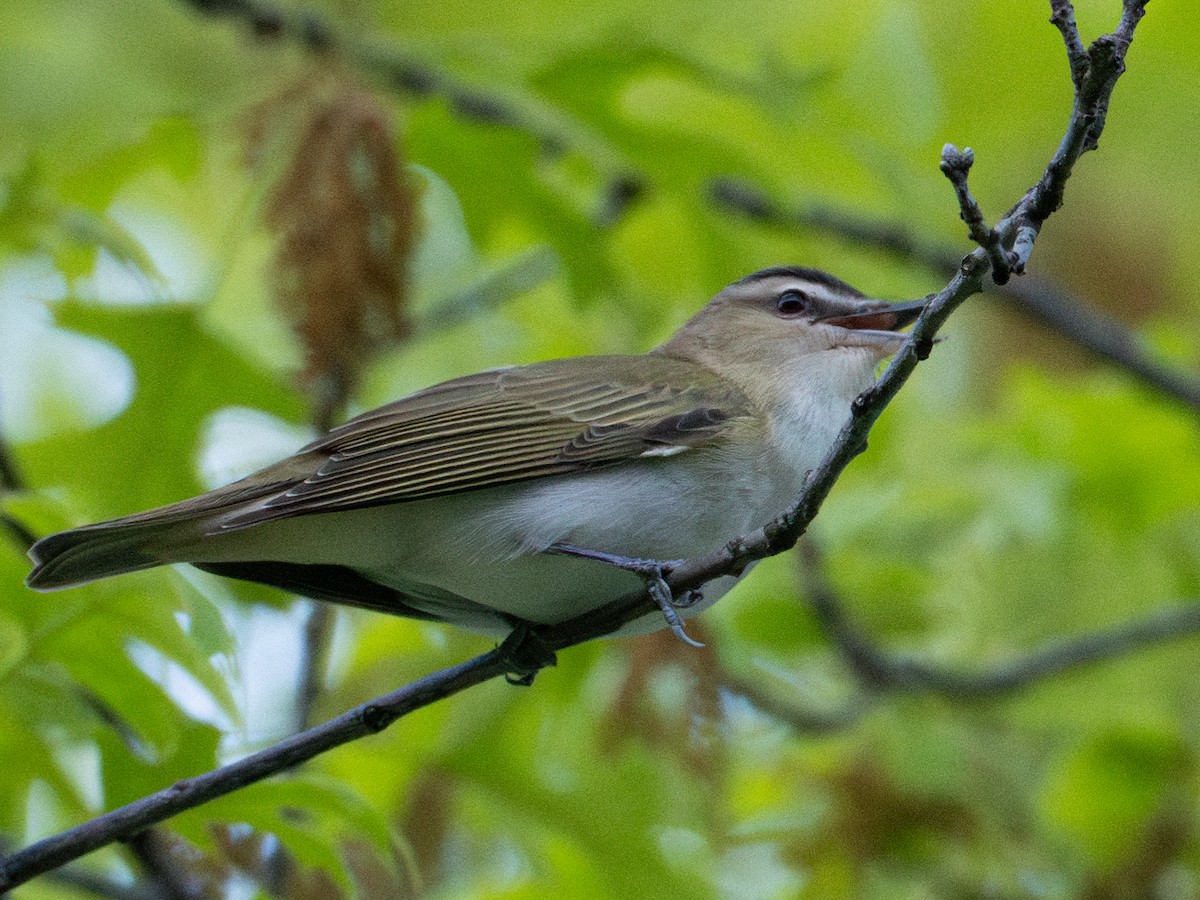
(1016,492)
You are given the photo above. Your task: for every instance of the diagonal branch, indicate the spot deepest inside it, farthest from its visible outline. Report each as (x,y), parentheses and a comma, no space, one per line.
(884,672)
(404,71)
(1103,336)
(128,821)
(520,654)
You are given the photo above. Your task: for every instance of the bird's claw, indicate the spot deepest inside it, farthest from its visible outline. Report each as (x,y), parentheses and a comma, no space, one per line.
(655,572)
(525,653)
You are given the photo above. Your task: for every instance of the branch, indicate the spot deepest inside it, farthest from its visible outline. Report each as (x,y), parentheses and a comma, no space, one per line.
(525,651)
(405,72)
(314,654)
(10,480)
(804,720)
(884,672)
(150,848)
(329,401)
(127,821)
(99,886)
(1102,336)
(1062,17)
(955,166)
(1066,654)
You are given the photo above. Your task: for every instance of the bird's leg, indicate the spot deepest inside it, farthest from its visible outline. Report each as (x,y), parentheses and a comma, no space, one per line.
(525,653)
(653,570)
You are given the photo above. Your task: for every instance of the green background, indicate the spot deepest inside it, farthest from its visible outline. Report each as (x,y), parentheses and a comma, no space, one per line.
(1015,493)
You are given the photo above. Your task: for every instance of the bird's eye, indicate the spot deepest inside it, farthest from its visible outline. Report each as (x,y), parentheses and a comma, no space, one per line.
(791,303)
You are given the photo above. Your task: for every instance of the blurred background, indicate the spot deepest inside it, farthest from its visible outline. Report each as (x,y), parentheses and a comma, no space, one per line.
(224,224)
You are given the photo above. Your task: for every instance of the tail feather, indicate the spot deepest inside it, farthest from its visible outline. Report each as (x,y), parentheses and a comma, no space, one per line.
(142,540)
(95,551)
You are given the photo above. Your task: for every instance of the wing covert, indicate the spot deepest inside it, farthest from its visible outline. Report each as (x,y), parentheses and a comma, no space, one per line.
(505,426)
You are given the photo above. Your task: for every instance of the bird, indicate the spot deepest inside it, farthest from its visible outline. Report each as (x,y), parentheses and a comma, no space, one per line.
(529,495)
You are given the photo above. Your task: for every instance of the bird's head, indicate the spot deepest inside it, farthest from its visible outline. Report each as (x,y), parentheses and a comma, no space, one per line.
(793,320)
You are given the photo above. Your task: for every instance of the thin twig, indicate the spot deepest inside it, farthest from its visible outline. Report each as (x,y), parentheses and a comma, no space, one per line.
(314,652)
(809,721)
(11,482)
(1062,17)
(1103,336)
(884,672)
(406,72)
(80,880)
(328,401)
(956,165)
(10,479)
(22,536)
(151,850)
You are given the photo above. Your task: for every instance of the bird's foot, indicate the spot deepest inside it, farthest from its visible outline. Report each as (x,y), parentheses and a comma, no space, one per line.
(525,653)
(654,571)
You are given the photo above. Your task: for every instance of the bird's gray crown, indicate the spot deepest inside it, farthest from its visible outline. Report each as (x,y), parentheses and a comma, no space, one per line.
(816,276)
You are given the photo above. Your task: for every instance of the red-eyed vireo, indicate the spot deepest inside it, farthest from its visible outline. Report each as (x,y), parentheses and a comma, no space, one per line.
(457,503)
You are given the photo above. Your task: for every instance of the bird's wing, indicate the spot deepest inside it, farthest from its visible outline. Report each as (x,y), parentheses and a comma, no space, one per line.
(500,427)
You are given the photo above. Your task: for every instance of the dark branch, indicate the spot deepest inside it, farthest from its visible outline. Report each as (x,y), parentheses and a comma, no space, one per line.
(314,651)
(1102,336)
(1066,654)
(808,721)
(11,482)
(884,672)
(151,850)
(99,886)
(408,74)
(21,535)
(955,165)
(328,401)
(10,479)
(127,821)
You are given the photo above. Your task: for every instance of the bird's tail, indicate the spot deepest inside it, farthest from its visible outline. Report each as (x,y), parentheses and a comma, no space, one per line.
(156,537)
(85,554)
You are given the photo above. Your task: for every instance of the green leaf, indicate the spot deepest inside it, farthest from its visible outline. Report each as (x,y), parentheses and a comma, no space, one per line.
(172,143)
(470,158)
(146,457)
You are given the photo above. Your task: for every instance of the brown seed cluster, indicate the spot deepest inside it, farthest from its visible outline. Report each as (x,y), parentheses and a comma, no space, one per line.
(345,215)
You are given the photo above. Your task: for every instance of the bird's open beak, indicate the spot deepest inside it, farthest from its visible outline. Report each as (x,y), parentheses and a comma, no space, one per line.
(880,316)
